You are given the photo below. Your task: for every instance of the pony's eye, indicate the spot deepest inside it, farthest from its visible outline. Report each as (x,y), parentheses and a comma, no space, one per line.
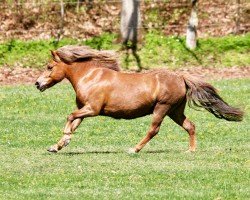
(49,67)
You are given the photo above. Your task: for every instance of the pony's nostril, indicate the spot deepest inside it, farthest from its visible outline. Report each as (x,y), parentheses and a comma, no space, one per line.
(37,85)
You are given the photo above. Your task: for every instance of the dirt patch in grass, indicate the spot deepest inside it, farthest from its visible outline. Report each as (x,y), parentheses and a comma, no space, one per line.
(13,76)
(210,73)
(17,76)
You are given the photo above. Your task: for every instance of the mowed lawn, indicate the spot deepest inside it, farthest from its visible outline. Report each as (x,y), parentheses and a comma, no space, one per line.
(96,166)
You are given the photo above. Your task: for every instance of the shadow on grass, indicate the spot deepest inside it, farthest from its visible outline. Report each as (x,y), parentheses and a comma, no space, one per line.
(156,151)
(73,153)
(192,53)
(143,152)
(89,152)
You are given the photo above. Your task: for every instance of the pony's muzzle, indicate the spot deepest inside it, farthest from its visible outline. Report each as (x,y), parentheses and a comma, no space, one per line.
(40,86)
(37,84)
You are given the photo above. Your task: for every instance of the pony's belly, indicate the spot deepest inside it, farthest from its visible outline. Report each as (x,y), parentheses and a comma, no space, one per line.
(127,113)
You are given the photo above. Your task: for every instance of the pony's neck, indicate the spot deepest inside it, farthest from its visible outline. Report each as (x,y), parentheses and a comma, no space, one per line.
(76,71)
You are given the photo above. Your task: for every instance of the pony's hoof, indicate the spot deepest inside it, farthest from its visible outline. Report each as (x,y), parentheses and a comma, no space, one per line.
(52,150)
(132,151)
(190,151)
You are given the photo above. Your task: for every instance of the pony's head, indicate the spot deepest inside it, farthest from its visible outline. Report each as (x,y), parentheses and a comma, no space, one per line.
(65,56)
(54,73)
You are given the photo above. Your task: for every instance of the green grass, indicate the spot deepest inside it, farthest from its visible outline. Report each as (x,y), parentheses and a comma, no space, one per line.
(226,51)
(156,50)
(96,166)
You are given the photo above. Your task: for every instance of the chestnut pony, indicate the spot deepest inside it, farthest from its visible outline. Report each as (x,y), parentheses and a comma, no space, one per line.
(101,89)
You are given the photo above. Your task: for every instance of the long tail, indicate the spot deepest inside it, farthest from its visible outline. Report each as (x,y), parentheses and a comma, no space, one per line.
(204,95)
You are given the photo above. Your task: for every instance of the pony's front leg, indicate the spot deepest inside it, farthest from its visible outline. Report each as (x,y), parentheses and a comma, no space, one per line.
(70,127)
(73,122)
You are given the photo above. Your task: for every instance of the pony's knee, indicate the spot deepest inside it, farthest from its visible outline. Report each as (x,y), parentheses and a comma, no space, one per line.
(67,132)
(70,118)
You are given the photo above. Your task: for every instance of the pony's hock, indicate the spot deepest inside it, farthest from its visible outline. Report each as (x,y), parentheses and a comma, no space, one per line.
(101,89)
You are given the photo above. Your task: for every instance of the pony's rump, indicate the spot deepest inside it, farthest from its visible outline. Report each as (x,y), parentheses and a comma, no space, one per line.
(73,53)
(204,95)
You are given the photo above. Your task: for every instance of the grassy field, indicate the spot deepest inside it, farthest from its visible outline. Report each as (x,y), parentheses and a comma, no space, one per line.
(96,166)
(156,50)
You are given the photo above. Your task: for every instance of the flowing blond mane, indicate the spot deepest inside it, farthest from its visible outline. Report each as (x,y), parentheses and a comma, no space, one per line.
(73,53)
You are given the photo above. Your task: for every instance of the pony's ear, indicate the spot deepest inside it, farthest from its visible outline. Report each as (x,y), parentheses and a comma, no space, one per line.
(55,56)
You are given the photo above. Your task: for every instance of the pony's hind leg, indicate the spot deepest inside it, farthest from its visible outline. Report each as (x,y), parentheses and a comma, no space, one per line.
(159,113)
(178,116)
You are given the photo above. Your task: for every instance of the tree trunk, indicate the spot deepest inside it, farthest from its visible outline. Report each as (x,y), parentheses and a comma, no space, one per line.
(191,38)
(60,33)
(237,18)
(130,21)
(77,6)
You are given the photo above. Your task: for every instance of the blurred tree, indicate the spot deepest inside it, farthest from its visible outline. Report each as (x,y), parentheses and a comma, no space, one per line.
(130,19)
(78,5)
(191,38)
(130,22)
(89,4)
(60,33)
